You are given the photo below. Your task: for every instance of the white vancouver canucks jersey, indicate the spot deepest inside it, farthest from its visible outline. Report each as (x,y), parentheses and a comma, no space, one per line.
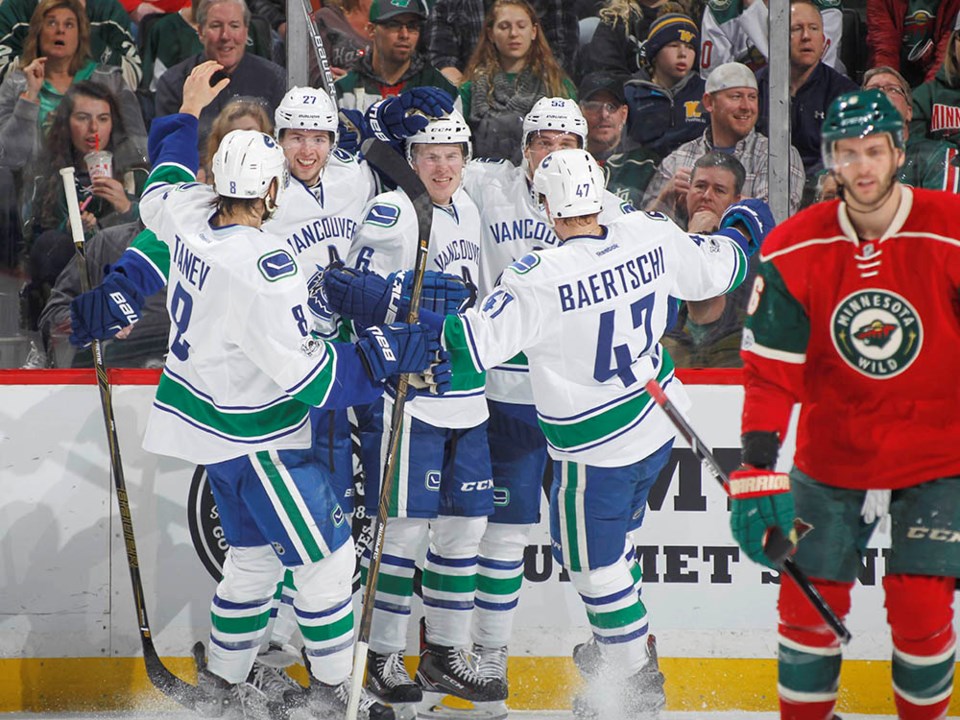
(319,223)
(387,241)
(513,224)
(589,316)
(242,369)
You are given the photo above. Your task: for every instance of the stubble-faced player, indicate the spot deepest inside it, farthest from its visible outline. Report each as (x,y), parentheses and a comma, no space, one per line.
(589,315)
(854,314)
(443,481)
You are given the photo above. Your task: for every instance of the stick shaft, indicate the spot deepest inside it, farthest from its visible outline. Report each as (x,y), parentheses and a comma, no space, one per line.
(702,452)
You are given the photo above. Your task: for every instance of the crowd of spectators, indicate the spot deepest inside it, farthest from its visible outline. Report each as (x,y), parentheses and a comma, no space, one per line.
(675,95)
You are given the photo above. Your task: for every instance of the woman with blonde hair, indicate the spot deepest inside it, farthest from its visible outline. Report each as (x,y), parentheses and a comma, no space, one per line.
(511,68)
(936,100)
(243,113)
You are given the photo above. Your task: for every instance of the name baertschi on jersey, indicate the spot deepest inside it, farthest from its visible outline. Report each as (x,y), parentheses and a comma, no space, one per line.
(612,283)
(319,230)
(192,268)
(523,229)
(457,250)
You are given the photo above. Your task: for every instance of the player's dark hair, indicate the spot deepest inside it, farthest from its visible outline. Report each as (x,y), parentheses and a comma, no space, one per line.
(717,159)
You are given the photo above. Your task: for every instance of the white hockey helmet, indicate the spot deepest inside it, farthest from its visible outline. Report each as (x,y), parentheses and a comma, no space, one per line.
(245,164)
(448,130)
(555,113)
(307,108)
(572,183)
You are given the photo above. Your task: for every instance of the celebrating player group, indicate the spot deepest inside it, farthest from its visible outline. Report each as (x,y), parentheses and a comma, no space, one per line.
(289,282)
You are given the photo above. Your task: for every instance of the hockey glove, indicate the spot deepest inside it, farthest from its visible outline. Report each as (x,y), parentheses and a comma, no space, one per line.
(102,312)
(399,348)
(760,497)
(353,129)
(435,380)
(399,117)
(368,299)
(754,216)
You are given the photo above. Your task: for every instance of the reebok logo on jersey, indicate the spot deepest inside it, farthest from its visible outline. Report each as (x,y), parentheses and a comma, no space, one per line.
(276,265)
(877,332)
(383,215)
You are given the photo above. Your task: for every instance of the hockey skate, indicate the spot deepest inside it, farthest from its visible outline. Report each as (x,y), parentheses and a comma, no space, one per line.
(329,702)
(229,701)
(455,672)
(637,697)
(388,681)
(283,693)
(586,656)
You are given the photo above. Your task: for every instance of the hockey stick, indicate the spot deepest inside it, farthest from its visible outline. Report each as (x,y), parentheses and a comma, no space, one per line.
(162,679)
(397,169)
(326,74)
(776,545)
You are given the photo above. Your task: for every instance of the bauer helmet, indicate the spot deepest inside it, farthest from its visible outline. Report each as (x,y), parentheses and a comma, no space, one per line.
(572,183)
(859,114)
(555,114)
(306,108)
(246,163)
(451,129)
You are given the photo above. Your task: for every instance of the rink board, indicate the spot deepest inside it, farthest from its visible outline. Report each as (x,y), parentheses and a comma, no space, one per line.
(68,634)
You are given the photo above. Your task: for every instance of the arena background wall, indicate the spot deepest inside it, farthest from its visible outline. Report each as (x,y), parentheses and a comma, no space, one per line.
(68,633)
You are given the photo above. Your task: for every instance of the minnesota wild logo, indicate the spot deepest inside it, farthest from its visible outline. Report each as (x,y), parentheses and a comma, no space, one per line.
(877,332)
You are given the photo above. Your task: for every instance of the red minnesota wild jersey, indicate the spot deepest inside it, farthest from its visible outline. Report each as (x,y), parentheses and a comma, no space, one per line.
(865,334)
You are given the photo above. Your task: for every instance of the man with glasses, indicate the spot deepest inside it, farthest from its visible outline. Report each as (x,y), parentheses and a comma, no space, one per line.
(394,64)
(626,167)
(928,161)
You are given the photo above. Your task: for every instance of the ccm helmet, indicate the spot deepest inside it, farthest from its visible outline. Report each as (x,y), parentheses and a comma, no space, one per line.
(451,129)
(246,163)
(572,183)
(857,115)
(555,114)
(306,108)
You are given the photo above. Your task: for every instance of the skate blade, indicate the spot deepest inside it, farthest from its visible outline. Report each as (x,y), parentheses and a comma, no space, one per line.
(437,706)
(404,711)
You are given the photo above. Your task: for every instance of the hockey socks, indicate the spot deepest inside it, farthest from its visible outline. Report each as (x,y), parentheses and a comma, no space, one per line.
(450,579)
(920,613)
(499,578)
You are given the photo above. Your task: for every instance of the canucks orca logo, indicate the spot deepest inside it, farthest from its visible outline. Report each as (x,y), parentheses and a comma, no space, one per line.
(316,297)
(383,215)
(877,332)
(276,265)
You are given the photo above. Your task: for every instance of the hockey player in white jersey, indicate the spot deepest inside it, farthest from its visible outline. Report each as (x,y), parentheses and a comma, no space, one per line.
(589,316)
(444,481)
(235,395)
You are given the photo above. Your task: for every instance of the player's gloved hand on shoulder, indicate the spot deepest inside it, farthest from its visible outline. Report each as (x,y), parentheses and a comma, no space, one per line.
(398,117)
(387,350)
(752,215)
(368,299)
(101,313)
(353,129)
(761,499)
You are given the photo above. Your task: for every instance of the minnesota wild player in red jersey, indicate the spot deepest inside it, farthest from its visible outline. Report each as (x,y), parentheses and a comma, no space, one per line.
(855,314)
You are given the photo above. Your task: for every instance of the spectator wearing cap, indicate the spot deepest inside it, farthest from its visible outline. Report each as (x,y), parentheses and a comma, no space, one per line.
(813,84)
(224,28)
(731,98)
(927,164)
(454,28)
(510,70)
(664,97)
(393,64)
(627,167)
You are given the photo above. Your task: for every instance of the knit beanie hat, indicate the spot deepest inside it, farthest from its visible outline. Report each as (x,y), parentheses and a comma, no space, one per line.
(669,28)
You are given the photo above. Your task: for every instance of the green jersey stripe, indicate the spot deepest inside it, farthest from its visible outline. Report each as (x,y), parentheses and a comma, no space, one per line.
(466,372)
(606,421)
(294,515)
